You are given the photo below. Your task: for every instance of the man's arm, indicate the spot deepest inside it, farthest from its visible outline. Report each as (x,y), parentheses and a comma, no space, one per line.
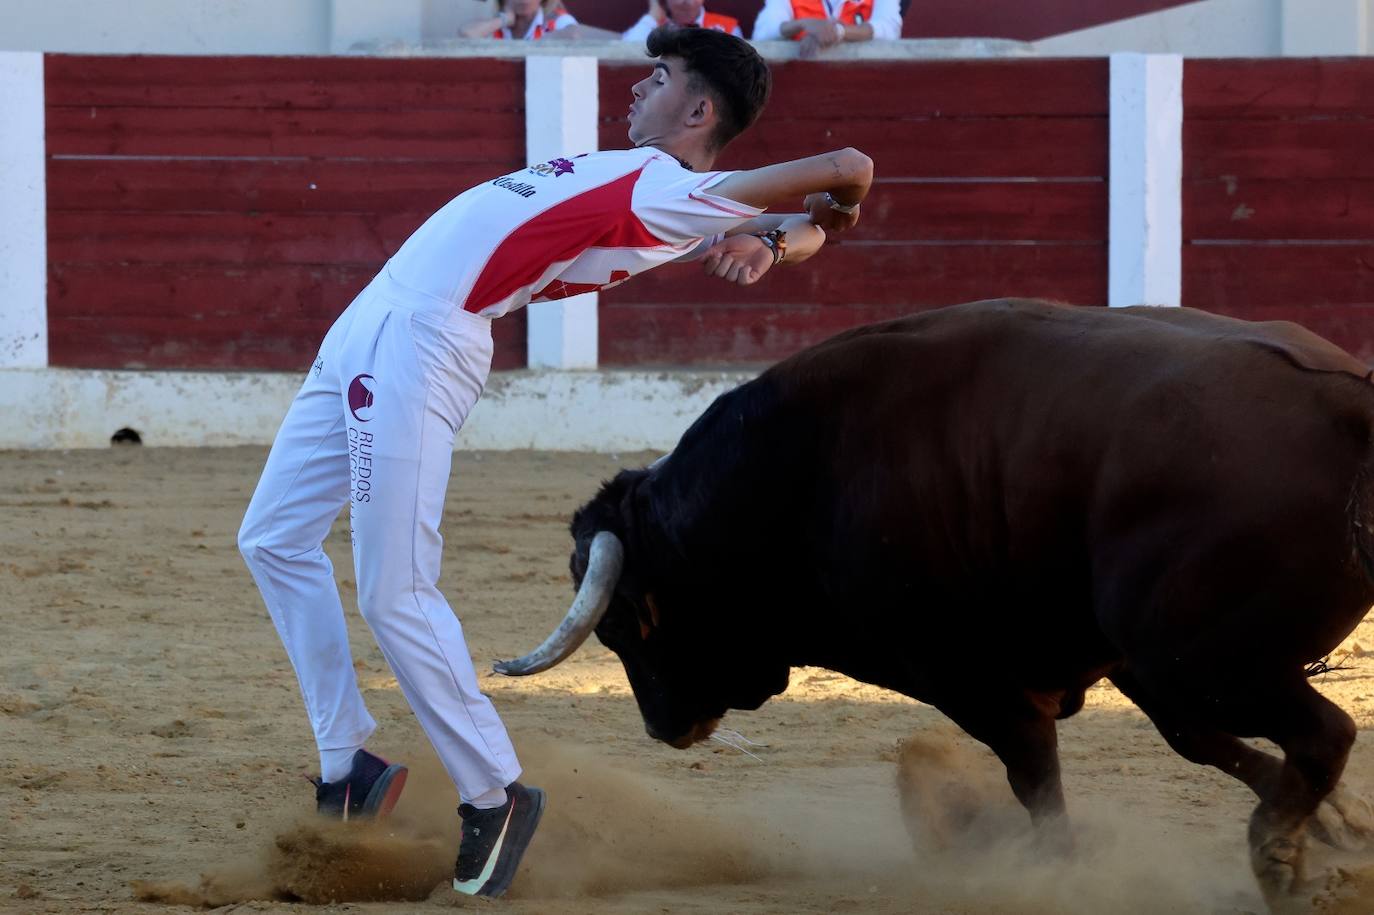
(744,259)
(845,174)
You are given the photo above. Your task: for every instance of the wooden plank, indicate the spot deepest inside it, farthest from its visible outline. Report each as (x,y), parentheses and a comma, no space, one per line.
(845,90)
(161,290)
(726,334)
(430,84)
(230,239)
(1289,276)
(171,342)
(1349,326)
(983,211)
(893,275)
(212,346)
(452,137)
(1278,149)
(272,185)
(1278,88)
(1261,208)
(191,318)
(984,148)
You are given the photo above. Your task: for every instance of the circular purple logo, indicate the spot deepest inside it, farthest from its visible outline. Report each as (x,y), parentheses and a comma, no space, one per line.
(360,393)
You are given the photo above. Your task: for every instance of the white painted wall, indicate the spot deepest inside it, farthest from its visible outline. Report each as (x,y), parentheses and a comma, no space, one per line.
(1211,28)
(23,213)
(1326,27)
(554,411)
(223,26)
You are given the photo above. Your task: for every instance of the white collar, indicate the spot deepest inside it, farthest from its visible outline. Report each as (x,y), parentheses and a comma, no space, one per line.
(535,23)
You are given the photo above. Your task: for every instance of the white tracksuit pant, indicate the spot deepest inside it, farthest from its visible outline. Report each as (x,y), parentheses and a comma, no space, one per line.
(373,426)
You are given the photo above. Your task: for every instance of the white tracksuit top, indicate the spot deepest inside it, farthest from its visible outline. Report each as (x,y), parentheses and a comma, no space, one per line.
(562,228)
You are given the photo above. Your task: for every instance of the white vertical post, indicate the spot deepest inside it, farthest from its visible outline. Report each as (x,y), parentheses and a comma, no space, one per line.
(561,108)
(23,213)
(1145,224)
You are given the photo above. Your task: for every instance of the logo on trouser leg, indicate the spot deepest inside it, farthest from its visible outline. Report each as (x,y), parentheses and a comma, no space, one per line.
(360,447)
(360,395)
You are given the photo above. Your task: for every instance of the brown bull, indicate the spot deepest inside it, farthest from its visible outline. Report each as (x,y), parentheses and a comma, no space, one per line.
(1176,501)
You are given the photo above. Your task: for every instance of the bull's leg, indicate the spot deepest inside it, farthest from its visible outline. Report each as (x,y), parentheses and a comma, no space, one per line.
(1343,820)
(1315,736)
(1200,742)
(1024,737)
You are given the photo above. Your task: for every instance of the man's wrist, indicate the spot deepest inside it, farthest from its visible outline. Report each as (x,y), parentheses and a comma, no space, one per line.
(845,208)
(839,30)
(775,241)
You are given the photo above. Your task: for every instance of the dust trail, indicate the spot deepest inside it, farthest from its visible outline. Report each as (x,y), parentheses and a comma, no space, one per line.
(606,831)
(975,843)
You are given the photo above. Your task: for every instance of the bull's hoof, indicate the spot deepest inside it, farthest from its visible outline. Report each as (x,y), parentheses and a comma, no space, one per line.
(1344,820)
(1277,863)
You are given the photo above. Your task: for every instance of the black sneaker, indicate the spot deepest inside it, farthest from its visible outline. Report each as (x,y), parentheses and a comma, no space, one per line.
(371,789)
(495,840)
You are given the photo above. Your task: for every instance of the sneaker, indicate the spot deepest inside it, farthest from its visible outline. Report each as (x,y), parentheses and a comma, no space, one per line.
(495,840)
(370,791)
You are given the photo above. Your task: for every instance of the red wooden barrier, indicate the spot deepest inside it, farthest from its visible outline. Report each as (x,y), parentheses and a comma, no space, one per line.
(1278,207)
(220,212)
(990,182)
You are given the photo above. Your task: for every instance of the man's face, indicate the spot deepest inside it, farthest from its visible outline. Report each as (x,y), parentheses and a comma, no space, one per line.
(661,102)
(522,7)
(684,12)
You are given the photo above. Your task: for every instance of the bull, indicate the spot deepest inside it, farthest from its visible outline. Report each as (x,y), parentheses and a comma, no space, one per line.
(1179,502)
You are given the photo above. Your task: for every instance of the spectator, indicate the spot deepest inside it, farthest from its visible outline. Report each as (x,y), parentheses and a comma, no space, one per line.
(680,13)
(820,24)
(527,19)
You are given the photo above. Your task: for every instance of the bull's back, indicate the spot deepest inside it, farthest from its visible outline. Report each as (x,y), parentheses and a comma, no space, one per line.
(1022,451)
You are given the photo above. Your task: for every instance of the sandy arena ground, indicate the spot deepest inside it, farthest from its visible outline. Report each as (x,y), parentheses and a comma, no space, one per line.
(155,745)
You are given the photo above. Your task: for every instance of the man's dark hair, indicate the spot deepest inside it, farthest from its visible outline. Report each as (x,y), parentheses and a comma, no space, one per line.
(726,67)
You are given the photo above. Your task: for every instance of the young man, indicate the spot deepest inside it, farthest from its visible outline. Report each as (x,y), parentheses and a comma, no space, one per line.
(373,426)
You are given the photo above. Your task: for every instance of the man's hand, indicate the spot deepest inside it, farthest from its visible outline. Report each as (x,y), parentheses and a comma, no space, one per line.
(742,259)
(820,34)
(656,12)
(818,208)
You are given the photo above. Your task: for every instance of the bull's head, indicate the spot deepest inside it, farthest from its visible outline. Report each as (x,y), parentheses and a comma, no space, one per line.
(685,663)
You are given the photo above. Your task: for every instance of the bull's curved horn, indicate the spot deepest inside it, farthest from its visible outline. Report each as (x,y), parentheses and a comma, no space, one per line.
(593,597)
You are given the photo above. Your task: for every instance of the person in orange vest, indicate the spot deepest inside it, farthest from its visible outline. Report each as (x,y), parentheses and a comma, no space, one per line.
(679,13)
(821,24)
(527,19)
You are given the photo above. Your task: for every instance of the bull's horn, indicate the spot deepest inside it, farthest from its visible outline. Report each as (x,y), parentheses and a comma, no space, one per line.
(603,571)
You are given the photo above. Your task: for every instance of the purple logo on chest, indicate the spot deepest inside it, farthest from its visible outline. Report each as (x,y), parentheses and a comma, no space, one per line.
(554,168)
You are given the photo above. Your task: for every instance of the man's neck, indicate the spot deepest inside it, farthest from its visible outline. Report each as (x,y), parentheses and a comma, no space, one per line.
(694,160)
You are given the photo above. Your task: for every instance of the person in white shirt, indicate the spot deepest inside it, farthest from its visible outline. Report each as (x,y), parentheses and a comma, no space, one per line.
(374,423)
(680,14)
(523,19)
(821,24)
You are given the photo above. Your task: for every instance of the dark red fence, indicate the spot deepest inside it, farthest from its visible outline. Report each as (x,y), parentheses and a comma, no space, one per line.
(219,213)
(1278,194)
(991,182)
